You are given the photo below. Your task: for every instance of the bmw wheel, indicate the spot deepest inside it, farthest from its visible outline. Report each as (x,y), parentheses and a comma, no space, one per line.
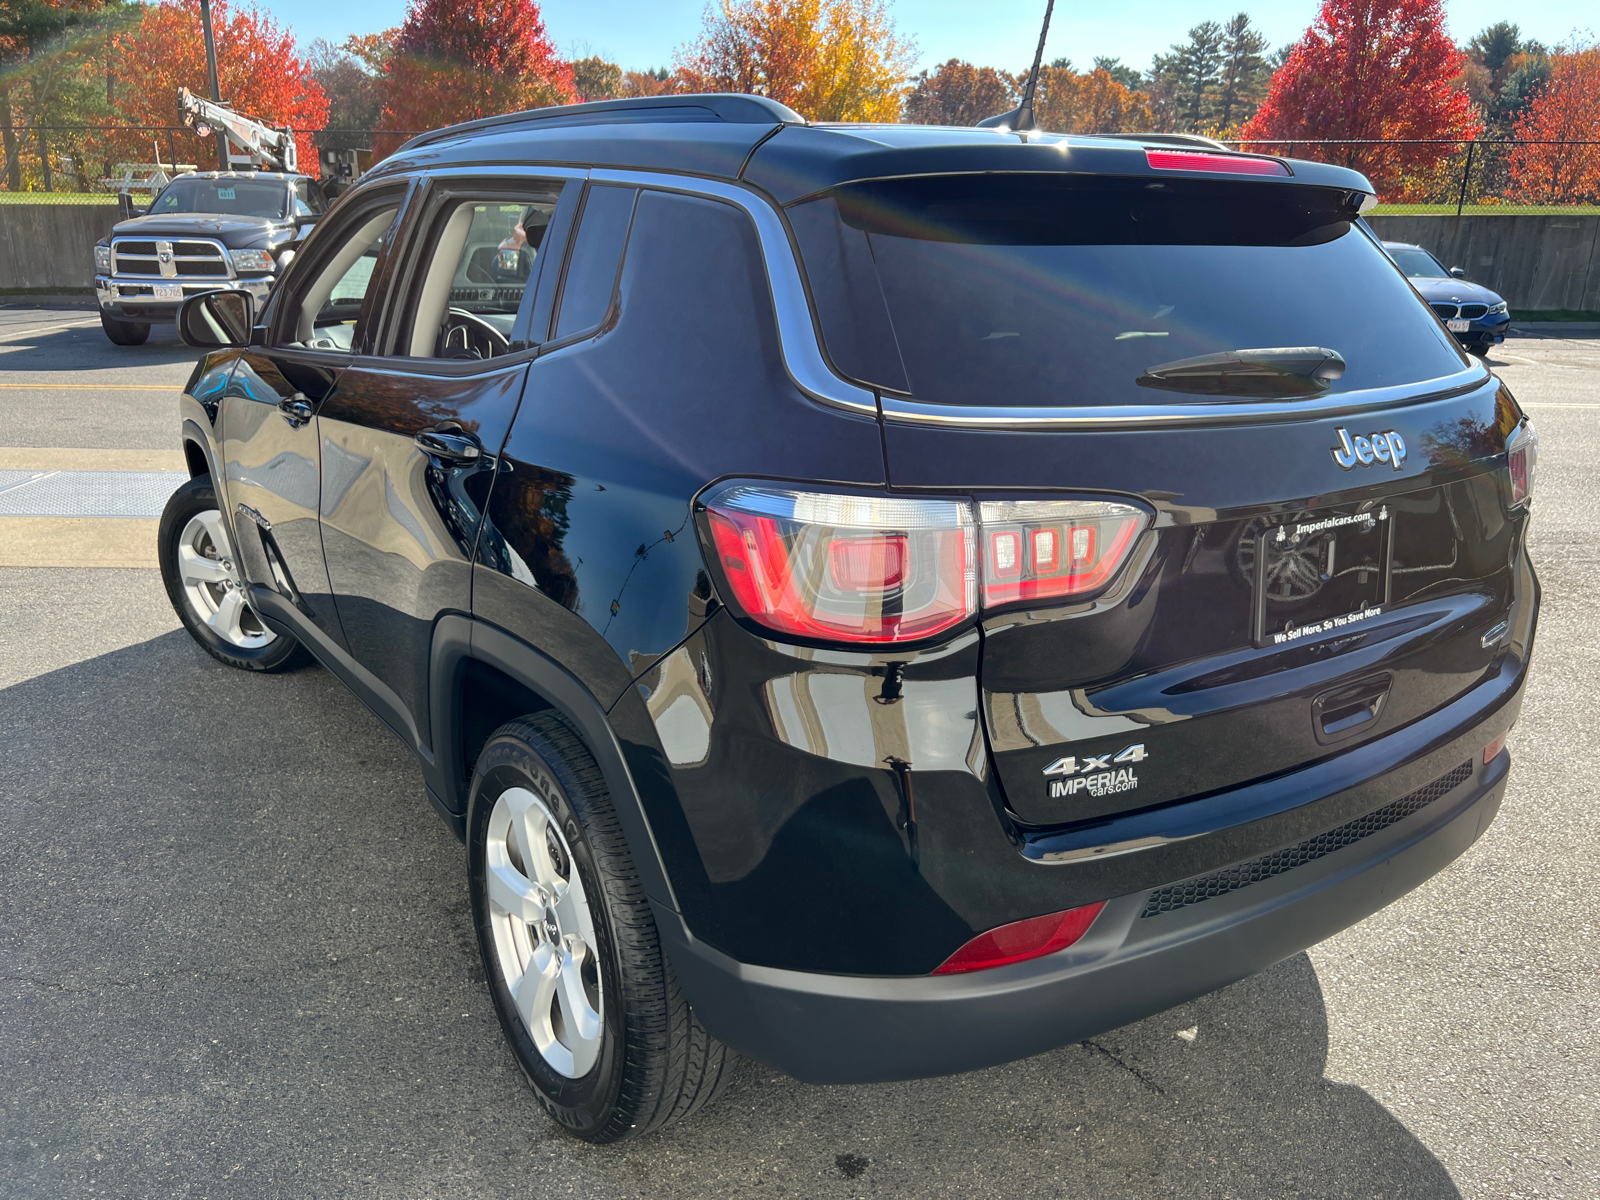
(583,991)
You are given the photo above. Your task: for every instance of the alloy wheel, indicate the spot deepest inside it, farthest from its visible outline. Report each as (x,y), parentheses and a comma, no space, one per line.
(212,586)
(544,932)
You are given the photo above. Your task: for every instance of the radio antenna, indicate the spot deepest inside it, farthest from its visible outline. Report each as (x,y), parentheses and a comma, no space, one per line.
(1021,118)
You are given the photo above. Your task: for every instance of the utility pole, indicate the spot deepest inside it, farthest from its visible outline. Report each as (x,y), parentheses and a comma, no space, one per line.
(216,92)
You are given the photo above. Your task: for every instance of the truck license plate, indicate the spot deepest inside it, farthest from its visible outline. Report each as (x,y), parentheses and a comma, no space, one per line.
(169,291)
(1458,325)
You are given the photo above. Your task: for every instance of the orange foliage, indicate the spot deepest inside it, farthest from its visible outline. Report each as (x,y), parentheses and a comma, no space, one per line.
(1566,109)
(458,60)
(829,60)
(259,71)
(1066,102)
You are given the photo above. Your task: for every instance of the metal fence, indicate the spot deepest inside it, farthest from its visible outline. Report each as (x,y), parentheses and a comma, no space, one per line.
(88,164)
(1506,176)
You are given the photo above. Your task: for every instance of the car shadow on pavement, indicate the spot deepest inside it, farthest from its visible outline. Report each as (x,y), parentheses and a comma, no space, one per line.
(236,956)
(79,346)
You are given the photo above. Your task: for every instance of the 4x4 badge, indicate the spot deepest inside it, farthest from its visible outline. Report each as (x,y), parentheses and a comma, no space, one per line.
(1388,447)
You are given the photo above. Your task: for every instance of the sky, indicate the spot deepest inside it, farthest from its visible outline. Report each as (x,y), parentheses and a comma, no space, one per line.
(644,33)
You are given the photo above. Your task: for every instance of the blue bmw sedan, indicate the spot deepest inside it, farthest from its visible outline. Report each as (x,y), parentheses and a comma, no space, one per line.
(1477,316)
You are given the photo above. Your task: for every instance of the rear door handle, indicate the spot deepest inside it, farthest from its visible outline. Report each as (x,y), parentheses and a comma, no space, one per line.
(452,446)
(296,410)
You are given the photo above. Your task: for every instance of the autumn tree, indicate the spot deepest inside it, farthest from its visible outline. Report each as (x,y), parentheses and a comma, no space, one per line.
(1127,76)
(1094,102)
(958,93)
(1565,116)
(259,71)
(53,72)
(1378,70)
(457,60)
(653,81)
(830,60)
(348,75)
(594,78)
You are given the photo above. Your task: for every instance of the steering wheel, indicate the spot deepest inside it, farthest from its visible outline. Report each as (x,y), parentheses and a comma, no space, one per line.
(467,335)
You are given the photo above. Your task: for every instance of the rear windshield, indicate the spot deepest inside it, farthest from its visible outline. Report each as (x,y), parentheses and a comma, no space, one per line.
(227,197)
(1038,290)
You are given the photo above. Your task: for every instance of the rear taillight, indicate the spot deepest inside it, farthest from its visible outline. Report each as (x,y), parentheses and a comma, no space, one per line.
(1522,455)
(875,569)
(862,569)
(1042,549)
(1022,940)
(1228,164)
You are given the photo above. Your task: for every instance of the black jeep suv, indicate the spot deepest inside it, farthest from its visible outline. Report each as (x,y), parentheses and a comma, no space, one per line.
(883,600)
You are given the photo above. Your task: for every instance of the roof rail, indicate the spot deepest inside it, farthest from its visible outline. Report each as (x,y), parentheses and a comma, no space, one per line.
(1166,139)
(733,108)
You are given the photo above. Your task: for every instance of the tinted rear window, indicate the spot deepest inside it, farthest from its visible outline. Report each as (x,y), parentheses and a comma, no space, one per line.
(1038,290)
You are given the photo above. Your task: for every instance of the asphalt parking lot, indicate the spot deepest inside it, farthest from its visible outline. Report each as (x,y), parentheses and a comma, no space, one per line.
(236,957)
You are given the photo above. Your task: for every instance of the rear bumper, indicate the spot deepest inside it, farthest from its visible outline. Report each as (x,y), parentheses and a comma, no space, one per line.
(846,1029)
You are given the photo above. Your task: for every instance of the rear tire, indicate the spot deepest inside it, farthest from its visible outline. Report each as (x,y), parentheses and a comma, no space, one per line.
(1478,349)
(583,991)
(206,589)
(124,333)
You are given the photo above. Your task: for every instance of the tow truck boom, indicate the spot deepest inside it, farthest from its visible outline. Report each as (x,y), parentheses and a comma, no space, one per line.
(264,146)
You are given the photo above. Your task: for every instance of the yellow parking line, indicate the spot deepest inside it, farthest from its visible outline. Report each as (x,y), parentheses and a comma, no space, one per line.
(46,458)
(94,387)
(78,541)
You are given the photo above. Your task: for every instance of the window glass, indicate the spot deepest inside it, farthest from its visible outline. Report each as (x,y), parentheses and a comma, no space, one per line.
(1418,264)
(307,199)
(596,254)
(1082,290)
(481,266)
(327,311)
(238,197)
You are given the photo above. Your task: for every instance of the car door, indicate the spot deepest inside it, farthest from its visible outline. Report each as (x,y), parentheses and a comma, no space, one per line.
(409,436)
(270,452)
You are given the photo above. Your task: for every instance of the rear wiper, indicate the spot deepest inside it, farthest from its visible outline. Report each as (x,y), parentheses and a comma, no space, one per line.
(1277,371)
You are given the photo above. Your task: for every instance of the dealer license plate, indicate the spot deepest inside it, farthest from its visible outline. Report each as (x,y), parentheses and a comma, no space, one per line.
(168,291)
(1459,325)
(1323,572)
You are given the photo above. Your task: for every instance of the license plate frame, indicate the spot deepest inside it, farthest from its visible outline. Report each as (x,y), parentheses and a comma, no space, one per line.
(167,291)
(1458,325)
(1368,555)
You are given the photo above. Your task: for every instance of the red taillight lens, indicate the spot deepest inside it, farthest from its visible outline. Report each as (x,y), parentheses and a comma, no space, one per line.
(1199,160)
(1492,750)
(844,568)
(1522,458)
(1071,547)
(1022,940)
(880,569)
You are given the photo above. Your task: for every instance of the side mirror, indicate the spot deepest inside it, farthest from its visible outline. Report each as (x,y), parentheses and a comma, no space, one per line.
(215,320)
(127,209)
(304,219)
(1458,272)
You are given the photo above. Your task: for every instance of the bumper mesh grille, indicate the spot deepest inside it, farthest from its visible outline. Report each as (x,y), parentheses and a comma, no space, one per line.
(1242,875)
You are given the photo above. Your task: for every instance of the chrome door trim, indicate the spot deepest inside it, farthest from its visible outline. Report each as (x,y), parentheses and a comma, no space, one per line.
(797,333)
(511,172)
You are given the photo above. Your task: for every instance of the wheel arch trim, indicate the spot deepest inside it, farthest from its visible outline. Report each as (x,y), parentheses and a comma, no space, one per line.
(457,639)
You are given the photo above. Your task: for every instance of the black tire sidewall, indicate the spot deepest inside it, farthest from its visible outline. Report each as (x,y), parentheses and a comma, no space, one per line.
(125,333)
(190,500)
(583,1105)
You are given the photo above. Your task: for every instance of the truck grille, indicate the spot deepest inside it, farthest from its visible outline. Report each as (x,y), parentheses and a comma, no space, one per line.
(163,259)
(1242,875)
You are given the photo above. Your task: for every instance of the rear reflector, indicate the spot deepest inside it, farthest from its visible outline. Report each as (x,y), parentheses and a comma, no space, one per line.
(1492,750)
(1022,940)
(1199,160)
(1072,547)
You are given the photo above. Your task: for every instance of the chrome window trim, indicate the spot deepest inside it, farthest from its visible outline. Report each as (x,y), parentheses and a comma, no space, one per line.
(797,333)
(1164,416)
(801,346)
